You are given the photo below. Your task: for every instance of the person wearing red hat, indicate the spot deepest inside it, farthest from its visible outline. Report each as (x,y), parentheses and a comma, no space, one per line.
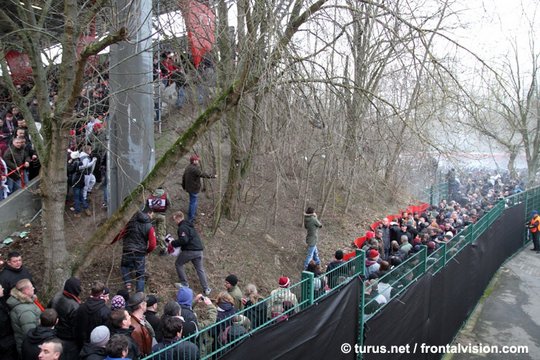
(282,299)
(191,182)
(372,262)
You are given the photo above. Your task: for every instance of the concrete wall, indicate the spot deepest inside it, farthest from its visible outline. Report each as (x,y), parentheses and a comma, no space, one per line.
(18,209)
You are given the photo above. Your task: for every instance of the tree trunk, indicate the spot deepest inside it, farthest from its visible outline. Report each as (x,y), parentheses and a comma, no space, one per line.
(53,189)
(232,190)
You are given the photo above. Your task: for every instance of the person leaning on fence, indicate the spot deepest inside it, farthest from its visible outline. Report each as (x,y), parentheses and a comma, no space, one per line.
(281,298)
(257,314)
(534,228)
(172,328)
(336,277)
(231,285)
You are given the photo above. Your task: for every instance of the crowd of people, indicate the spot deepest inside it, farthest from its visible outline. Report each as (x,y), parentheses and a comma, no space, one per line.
(127,324)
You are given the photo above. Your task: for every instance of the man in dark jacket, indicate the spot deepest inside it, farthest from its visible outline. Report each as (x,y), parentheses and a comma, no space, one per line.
(172,333)
(13,272)
(192,248)
(312,225)
(66,304)
(120,323)
(35,337)
(7,341)
(95,349)
(191,182)
(17,157)
(138,240)
(90,314)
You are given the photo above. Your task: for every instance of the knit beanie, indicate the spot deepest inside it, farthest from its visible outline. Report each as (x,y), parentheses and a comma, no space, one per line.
(185,296)
(284,282)
(100,336)
(118,303)
(232,279)
(73,286)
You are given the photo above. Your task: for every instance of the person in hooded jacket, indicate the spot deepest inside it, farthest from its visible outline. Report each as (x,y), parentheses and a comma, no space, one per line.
(35,337)
(138,240)
(7,341)
(90,314)
(225,309)
(184,297)
(66,303)
(95,349)
(24,313)
(312,225)
(192,248)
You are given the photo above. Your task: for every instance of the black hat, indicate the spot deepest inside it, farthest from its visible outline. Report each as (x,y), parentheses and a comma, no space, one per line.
(232,279)
(151,300)
(136,299)
(73,286)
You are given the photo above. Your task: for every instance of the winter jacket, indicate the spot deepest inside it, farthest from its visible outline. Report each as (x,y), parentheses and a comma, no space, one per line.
(225,310)
(188,238)
(92,352)
(75,175)
(136,239)
(141,336)
(10,276)
(191,325)
(14,158)
(312,225)
(236,293)
(258,314)
(35,337)
(191,180)
(152,318)
(7,341)
(277,298)
(133,349)
(185,350)
(90,314)
(66,307)
(24,315)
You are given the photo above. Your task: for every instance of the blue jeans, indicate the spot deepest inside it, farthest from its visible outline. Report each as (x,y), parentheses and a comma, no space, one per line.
(181,98)
(79,201)
(132,262)
(312,253)
(16,185)
(193,201)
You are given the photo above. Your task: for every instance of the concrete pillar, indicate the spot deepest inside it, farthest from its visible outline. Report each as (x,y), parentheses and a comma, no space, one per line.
(131,124)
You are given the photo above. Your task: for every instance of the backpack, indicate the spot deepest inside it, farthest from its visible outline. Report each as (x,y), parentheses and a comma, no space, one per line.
(158,203)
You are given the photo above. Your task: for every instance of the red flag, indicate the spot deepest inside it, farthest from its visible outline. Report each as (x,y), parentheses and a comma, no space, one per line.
(200,25)
(19,66)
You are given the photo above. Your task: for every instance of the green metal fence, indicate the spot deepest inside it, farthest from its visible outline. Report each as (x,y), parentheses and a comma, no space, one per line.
(215,339)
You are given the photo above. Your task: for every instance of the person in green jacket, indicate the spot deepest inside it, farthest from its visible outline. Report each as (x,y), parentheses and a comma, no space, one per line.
(24,313)
(312,225)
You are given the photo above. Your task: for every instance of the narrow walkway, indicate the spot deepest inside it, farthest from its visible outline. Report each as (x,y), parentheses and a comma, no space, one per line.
(510,315)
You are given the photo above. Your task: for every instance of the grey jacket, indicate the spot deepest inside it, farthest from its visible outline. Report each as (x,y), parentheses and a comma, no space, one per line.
(24,315)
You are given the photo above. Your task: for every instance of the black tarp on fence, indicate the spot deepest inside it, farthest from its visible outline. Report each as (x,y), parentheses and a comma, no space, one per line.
(434,309)
(316,333)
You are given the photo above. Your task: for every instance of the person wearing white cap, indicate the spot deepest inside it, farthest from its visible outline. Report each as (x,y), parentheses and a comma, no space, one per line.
(95,349)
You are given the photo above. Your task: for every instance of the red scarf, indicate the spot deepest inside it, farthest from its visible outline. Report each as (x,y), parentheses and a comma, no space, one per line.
(71,296)
(38,304)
